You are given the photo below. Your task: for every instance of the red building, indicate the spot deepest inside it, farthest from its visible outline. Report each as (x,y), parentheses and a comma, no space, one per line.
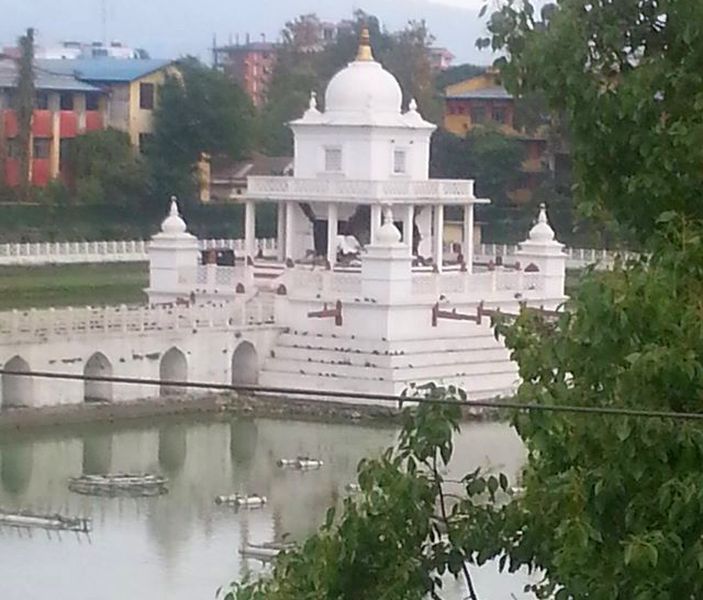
(65,107)
(250,65)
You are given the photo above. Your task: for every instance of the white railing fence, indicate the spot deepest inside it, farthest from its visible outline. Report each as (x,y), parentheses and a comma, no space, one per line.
(136,251)
(577,258)
(40,325)
(44,253)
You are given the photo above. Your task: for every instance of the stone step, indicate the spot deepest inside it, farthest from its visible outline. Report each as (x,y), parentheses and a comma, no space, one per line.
(490,352)
(425,373)
(478,388)
(484,338)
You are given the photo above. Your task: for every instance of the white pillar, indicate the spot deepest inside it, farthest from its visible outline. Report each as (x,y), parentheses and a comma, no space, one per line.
(249,229)
(439,236)
(332,234)
(281,232)
(375,221)
(290,230)
(408,220)
(469,237)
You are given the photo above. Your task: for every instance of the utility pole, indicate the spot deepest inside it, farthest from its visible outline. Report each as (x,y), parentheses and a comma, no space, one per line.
(103,19)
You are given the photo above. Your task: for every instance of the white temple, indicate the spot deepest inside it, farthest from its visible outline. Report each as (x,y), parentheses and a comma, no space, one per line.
(367,294)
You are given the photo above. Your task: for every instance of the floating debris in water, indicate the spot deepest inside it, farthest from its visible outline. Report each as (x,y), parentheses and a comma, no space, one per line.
(242,501)
(264,552)
(120,484)
(53,522)
(302,463)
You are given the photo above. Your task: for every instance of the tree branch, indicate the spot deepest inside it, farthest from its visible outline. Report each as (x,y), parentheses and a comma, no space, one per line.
(445,518)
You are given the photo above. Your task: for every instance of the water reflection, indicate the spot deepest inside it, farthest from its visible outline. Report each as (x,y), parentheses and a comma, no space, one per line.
(243,434)
(97,453)
(16,465)
(182,546)
(173,445)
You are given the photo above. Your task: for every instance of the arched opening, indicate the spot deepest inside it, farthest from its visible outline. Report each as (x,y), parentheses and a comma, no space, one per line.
(98,365)
(16,389)
(173,367)
(245,365)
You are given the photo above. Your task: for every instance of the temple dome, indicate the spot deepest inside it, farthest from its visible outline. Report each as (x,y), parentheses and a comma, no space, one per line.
(364,86)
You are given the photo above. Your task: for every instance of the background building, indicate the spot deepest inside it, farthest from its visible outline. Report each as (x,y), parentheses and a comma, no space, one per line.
(250,65)
(482,101)
(65,107)
(440,58)
(131,87)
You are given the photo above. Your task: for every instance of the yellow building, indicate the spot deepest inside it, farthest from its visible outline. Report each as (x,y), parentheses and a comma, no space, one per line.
(482,101)
(132,89)
(479,100)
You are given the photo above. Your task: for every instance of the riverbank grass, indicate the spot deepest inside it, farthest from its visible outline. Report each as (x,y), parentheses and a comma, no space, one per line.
(72,285)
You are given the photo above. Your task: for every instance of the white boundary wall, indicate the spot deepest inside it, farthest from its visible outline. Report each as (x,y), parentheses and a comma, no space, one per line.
(48,253)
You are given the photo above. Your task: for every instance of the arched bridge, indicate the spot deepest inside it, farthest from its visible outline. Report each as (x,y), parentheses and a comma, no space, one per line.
(220,343)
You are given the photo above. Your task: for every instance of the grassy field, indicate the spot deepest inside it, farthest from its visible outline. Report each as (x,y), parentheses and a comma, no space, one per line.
(72,285)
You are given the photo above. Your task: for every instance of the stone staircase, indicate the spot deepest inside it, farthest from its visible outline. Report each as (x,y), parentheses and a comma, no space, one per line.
(478,363)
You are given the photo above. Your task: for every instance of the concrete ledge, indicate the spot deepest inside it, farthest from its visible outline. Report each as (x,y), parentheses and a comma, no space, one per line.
(22,419)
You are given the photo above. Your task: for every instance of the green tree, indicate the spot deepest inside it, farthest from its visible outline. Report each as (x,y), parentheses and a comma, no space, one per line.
(628,77)
(199,111)
(106,171)
(493,159)
(24,106)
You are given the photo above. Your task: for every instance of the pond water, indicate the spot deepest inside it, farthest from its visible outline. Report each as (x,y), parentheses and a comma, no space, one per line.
(182,546)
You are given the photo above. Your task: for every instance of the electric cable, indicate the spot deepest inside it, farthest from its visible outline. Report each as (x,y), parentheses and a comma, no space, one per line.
(387,398)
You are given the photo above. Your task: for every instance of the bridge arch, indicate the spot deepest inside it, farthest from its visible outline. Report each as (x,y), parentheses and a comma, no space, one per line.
(173,367)
(98,365)
(245,365)
(17,390)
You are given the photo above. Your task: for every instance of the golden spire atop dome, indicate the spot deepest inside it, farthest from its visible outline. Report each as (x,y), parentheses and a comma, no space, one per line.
(364,53)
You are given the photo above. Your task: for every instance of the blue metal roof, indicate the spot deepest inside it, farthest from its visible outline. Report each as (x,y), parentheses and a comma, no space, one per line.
(104,70)
(44,80)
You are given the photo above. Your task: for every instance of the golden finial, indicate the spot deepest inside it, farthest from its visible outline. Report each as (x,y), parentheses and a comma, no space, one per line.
(364,53)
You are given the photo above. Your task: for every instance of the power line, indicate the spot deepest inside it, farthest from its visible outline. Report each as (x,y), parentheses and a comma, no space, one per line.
(389,398)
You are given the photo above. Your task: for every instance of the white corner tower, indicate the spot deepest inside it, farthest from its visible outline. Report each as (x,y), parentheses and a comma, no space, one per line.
(542,254)
(173,259)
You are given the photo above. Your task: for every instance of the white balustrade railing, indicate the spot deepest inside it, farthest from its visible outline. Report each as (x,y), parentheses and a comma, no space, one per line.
(576,258)
(32,326)
(43,253)
(136,250)
(360,190)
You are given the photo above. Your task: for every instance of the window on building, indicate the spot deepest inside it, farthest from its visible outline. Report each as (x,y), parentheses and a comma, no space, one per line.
(13,148)
(92,101)
(42,147)
(41,101)
(144,141)
(498,114)
(478,114)
(399,161)
(146,96)
(66,101)
(333,160)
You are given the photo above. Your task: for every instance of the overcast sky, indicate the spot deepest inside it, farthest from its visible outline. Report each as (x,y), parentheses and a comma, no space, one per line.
(171,28)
